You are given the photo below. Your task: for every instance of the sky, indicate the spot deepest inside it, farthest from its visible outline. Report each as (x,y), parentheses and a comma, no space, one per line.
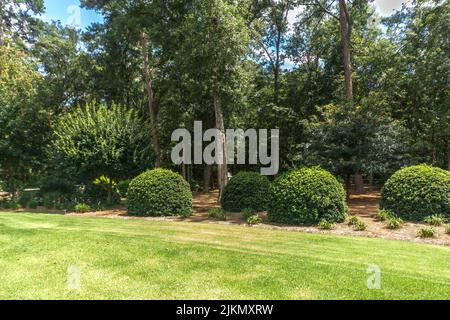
(69,12)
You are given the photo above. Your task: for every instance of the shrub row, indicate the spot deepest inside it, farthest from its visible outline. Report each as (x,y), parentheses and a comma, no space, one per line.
(299,197)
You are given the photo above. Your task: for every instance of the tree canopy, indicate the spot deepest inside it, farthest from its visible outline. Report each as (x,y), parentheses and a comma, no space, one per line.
(358,94)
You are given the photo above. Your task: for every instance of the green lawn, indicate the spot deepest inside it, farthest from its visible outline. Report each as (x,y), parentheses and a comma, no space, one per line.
(137,259)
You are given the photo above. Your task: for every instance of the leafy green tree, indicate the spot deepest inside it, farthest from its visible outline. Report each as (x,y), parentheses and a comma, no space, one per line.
(423,84)
(272,27)
(68,71)
(348,140)
(216,41)
(17,19)
(24,123)
(134,43)
(96,141)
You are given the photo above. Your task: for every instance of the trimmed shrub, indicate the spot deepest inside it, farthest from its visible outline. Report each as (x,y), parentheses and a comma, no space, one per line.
(307,196)
(246,190)
(159,192)
(416,192)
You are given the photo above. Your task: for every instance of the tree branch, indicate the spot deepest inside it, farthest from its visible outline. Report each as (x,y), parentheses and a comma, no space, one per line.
(326,9)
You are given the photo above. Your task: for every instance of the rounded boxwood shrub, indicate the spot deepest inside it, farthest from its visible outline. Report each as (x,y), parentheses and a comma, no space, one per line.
(159,192)
(416,192)
(307,196)
(246,190)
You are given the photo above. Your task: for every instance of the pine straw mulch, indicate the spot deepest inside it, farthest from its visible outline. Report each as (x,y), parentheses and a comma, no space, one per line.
(365,206)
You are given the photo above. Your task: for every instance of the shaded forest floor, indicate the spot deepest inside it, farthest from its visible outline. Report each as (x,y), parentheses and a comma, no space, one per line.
(365,206)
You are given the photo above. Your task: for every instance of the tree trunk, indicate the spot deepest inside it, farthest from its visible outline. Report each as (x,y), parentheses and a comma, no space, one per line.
(222,169)
(1,33)
(448,158)
(359,183)
(148,79)
(277,70)
(110,191)
(348,186)
(12,187)
(346,31)
(206,177)
(371,180)
(2,42)
(184,172)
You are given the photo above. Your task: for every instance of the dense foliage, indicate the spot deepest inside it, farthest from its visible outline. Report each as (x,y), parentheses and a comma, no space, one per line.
(112,142)
(159,192)
(24,123)
(360,103)
(416,192)
(307,196)
(246,190)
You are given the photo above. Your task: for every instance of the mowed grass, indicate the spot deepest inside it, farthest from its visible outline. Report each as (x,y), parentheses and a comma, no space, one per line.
(138,259)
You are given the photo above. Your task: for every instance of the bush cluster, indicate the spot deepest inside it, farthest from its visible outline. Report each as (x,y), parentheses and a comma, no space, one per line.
(246,190)
(307,196)
(416,192)
(159,192)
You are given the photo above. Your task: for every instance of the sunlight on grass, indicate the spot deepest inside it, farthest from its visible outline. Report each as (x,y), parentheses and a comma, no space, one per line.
(137,259)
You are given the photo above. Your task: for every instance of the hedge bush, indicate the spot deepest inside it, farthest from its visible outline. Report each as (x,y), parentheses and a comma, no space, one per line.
(246,190)
(159,192)
(307,196)
(416,192)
